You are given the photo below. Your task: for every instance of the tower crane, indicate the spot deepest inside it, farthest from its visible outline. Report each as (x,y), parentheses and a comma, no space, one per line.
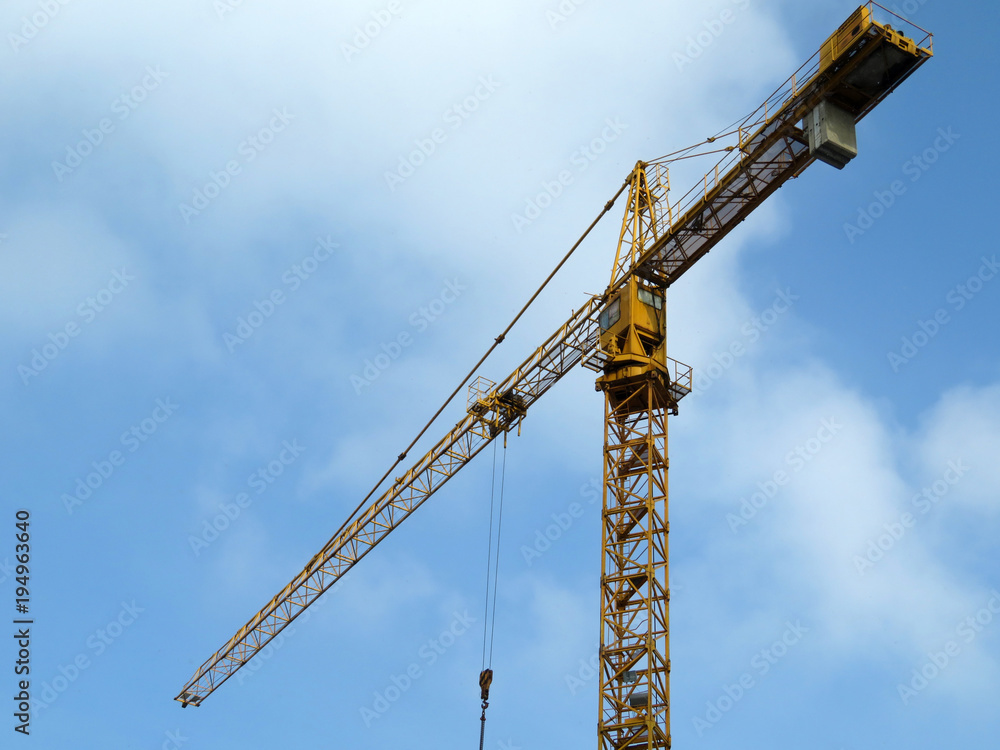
(621,335)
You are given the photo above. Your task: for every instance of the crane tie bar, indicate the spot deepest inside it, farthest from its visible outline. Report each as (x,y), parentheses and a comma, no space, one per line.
(499,339)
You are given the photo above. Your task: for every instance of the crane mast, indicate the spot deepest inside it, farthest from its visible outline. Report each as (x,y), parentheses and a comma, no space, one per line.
(621,335)
(639,390)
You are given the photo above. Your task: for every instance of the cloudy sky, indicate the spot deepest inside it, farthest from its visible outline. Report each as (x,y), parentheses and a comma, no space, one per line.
(237,235)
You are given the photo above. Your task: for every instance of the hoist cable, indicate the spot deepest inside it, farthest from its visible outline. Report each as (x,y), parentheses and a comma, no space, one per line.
(489,555)
(496,570)
(490,621)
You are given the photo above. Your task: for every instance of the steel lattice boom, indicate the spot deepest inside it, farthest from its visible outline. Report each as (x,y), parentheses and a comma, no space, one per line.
(497,409)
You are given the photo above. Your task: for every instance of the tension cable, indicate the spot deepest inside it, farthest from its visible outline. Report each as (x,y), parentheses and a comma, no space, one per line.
(492,570)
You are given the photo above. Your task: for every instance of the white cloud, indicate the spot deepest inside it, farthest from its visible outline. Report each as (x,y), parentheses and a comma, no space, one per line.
(52,261)
(798,554)
(964,425)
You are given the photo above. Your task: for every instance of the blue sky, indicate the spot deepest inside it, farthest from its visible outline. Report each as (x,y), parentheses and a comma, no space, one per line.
(169,172)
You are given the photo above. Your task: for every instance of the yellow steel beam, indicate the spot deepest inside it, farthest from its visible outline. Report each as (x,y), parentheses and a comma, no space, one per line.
(640,387)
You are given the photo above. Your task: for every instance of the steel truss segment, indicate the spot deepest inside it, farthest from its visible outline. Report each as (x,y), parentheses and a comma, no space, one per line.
(557,356)
(639,225)
(634,653)
(702,227)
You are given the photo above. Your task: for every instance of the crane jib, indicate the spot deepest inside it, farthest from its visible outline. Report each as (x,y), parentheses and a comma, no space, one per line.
(546,366)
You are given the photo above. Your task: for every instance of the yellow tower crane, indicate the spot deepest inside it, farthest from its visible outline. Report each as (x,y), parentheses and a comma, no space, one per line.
(622,335)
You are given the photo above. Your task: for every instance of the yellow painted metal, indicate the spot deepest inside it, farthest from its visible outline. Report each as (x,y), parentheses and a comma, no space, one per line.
(771,148)
(498,410)
(634,652)
(631,325)
(864,22)
(842,39)
(638,393)
(659,241)
(638,225)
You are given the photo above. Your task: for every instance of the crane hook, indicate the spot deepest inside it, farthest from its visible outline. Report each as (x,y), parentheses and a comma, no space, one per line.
(485,680)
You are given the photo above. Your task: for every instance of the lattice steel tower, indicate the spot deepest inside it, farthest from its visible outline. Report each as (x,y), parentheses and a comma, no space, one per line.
(639,391)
